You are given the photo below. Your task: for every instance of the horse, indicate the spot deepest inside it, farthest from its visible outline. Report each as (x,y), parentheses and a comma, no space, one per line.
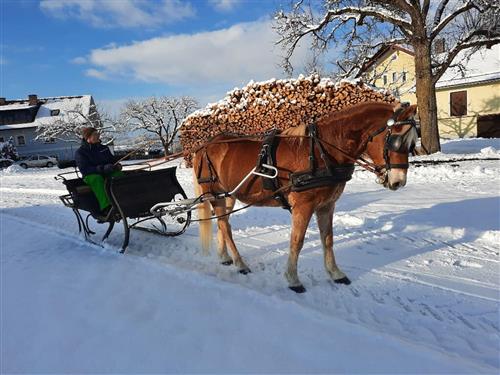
(383,133)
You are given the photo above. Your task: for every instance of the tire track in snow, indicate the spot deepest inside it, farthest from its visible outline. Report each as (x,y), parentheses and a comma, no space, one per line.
(366,302)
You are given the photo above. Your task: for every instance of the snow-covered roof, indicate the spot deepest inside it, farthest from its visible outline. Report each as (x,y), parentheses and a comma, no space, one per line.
(379,54)
(16,106)
(64,104)
(483,66)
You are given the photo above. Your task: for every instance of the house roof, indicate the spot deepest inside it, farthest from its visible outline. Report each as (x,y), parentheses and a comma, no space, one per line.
(483,66)
(65,104)
(381,52)
(14,106)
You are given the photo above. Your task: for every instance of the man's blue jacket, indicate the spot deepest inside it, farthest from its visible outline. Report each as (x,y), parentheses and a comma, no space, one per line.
(91,158)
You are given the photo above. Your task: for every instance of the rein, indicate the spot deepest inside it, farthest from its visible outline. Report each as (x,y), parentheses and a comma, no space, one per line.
(371,167)
(280,190)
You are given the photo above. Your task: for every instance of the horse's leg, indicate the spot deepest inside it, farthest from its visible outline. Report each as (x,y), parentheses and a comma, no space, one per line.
(301,215)
(225,228)
(222,246)
(324,216)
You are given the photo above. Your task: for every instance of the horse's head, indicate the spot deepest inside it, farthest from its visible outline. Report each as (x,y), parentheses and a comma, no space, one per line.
(391,145)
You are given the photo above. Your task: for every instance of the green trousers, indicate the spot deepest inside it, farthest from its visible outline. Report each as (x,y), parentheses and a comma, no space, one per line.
(97,183)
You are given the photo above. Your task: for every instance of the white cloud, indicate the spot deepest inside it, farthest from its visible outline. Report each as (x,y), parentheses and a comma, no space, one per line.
(95,73)
(233,55)
(122,13)
(79,60)
(224,5)
(111,106)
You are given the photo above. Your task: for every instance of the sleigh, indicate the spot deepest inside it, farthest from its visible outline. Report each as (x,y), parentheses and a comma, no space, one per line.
(132,196)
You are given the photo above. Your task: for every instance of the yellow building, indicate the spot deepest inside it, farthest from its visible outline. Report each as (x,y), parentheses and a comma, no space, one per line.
(467,106)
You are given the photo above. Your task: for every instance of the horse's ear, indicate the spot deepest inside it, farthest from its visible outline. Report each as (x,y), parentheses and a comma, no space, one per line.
(408,112)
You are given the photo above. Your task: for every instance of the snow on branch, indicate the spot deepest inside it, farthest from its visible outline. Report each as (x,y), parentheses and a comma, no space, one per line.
(466,43)
(360,12)
(345,25)
(161,117)
(439,12)
(68,125)
(442,24)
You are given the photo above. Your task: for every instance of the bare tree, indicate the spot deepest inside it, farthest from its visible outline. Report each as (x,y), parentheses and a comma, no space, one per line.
(159,116)
(68,125)
(359,27)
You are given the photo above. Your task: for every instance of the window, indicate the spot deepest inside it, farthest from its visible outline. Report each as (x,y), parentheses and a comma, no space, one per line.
(394,77)
(21,141)
(458,103)
(385,79)
(403,76)
(49,140)
(54,112)
(43,157)
(2,139)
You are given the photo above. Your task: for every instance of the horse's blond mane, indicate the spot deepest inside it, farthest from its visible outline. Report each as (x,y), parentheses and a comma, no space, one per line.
(348,112)
(300,131)
(296,131)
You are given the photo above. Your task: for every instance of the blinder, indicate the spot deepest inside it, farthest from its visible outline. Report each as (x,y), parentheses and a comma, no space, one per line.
(399,143)
(402,143)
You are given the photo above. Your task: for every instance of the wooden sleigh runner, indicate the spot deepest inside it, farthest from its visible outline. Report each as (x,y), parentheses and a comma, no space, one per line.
(132,197)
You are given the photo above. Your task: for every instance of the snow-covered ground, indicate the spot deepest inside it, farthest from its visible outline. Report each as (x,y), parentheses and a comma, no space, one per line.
(424,262)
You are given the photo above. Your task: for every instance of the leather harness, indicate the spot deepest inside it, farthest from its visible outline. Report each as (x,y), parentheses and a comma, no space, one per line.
(314,177)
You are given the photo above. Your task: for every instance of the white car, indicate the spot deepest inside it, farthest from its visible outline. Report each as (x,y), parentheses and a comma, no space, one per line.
(38,161)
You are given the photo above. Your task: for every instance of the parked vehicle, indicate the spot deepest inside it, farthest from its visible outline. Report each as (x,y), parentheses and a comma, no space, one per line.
(37,161)
(4,163)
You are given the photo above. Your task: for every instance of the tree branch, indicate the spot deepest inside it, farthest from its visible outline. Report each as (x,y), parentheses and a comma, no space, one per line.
(439,12)
(425,8)
(366,12)
(462,45)
(442,24)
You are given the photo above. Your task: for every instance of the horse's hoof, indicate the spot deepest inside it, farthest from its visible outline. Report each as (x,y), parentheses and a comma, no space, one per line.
(227,262)
(245,271)
(298,289)
(345,280)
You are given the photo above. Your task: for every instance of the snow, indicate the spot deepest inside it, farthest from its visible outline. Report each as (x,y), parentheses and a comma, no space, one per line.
(484,65)
(15,106)
(424,262)
(230,100)
(65,104)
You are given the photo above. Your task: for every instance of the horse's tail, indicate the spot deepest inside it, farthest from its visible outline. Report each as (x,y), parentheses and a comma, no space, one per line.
(204,213)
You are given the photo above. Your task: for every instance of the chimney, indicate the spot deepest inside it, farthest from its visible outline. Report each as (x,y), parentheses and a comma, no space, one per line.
(32,99)
(2,101)
(439,46)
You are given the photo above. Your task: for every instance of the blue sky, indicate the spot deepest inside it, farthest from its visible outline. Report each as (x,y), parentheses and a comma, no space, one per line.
(119,49)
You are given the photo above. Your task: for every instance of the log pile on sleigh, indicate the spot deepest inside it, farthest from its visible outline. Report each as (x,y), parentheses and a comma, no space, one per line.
(274,104)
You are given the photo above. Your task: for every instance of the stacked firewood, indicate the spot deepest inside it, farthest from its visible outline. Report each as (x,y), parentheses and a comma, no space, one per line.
(280,104)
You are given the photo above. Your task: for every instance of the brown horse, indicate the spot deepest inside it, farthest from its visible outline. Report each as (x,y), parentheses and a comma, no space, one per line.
(345,135)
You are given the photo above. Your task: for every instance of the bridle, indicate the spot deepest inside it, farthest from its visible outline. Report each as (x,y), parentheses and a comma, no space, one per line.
(398,143)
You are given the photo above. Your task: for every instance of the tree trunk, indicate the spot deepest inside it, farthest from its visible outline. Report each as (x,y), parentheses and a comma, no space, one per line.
(166,146)
(165,149)
(426,99)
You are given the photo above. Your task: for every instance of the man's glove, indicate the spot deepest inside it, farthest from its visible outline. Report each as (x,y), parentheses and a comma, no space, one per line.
(108,168)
